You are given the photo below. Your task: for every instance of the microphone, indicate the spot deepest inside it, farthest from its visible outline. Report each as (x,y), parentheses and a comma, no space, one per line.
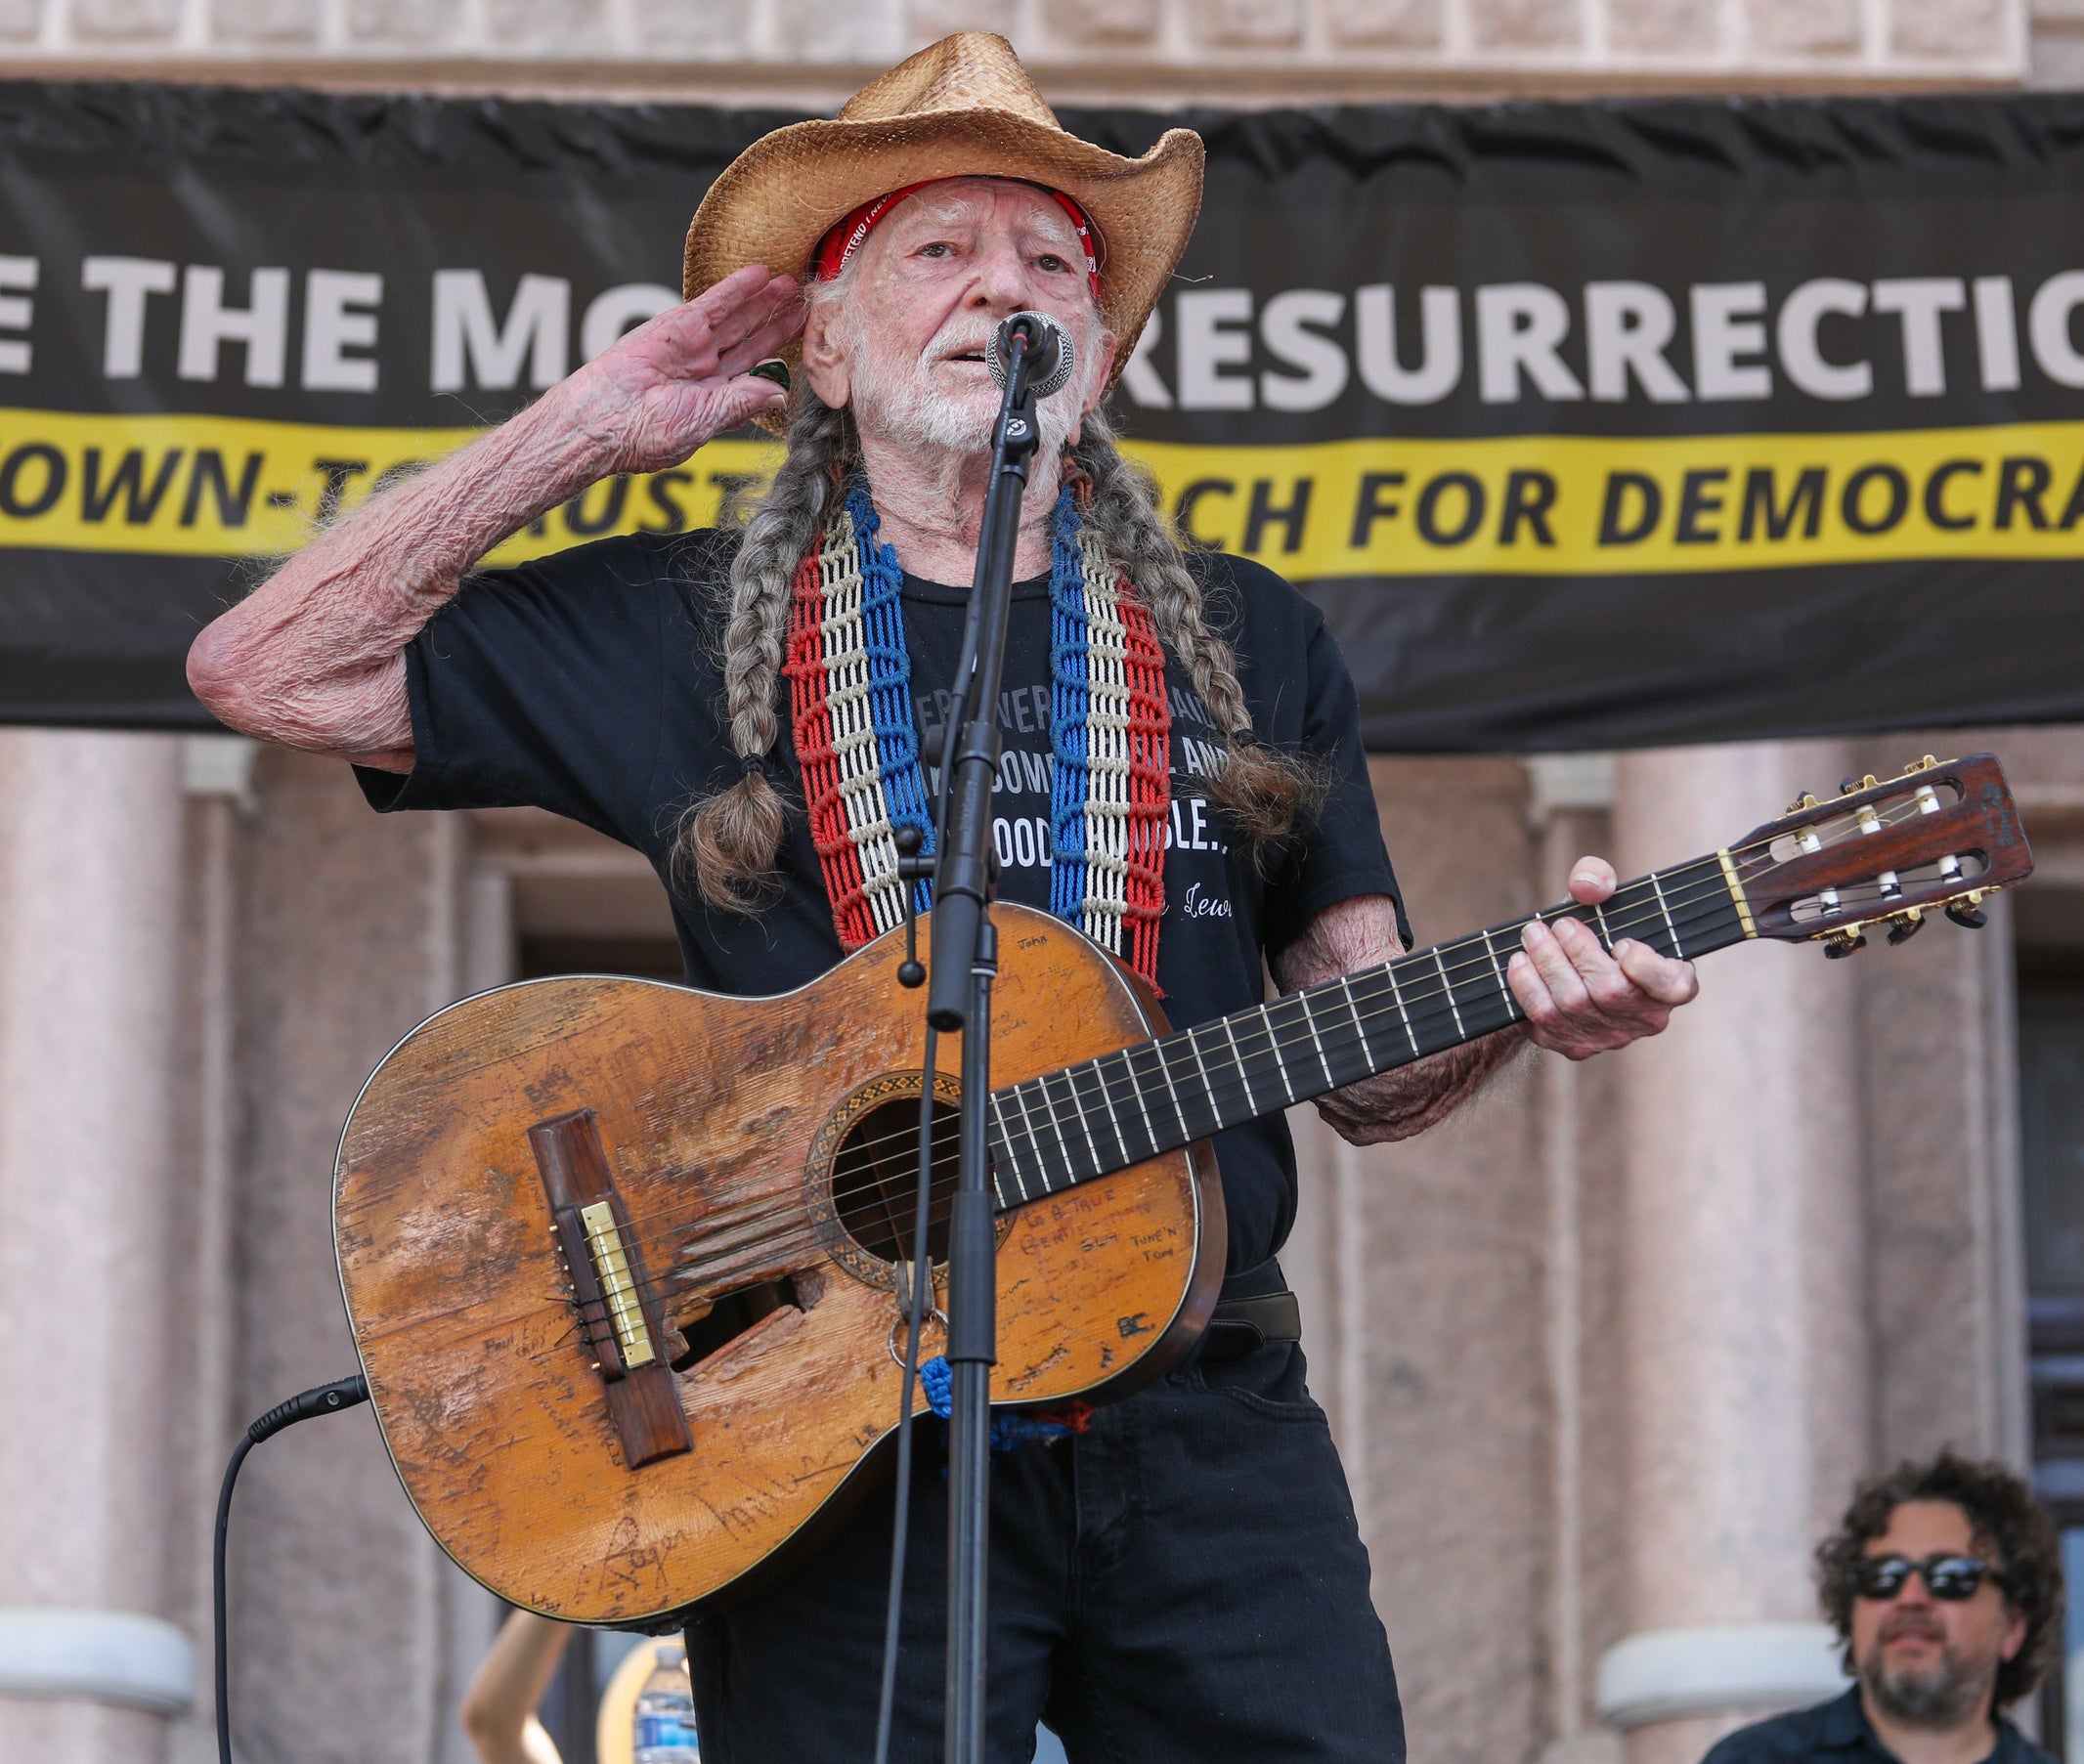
(1050,354)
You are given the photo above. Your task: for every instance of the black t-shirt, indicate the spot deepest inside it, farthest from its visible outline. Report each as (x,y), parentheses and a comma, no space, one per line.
(1838,1731)
(587,683)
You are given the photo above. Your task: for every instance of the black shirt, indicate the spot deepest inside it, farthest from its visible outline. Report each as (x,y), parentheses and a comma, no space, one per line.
(1839,1732)
(587,683)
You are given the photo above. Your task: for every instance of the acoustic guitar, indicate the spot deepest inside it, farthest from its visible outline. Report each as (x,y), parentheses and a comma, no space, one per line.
(622,1257)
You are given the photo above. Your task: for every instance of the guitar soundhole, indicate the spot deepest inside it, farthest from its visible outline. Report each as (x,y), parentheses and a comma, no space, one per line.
(875,1178)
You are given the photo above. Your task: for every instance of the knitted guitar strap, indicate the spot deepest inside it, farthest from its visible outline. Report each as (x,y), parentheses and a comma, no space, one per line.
(1110,726)
(850,698)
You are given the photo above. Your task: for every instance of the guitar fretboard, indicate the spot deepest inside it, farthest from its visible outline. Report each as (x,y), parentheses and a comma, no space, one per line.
(1069,1126)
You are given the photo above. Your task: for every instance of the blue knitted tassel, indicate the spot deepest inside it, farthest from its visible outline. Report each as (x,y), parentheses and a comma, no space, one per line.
(937,1379)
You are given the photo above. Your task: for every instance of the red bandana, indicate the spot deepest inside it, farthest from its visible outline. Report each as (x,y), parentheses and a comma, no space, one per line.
(840,243)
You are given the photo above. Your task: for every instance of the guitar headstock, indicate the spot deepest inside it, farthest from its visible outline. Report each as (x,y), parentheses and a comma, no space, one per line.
(1942,836)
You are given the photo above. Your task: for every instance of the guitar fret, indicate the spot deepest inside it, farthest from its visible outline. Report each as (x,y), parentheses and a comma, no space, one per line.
(1396,992)
(1034,1139)
(1606,936)
(1172,1091)
(1121,1144)
(1317,1040)
(1063,1147)
(1136,1089)
(1013,1163)
(1273,1064)
(1276,1058)
(1360,1030)
(1512,1004)
(1275,1052)
(1077,1114)
(1664,907)
(1452,1007)
(1237,1054)
(1209,1084)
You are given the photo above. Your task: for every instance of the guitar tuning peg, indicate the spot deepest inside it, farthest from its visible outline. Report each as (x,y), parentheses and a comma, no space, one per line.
(1966,915)
(1906,925)
(1847,785)
(1807,799)
(1926,764)
(1844,944)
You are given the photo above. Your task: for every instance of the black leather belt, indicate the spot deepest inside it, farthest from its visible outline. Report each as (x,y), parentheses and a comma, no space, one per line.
(1241,1327)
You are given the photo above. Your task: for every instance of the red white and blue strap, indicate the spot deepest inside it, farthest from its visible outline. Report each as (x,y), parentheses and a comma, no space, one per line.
(851,696)
(1110,728)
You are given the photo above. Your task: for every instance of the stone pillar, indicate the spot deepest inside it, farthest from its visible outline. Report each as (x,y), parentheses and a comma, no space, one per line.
(1746,1330)
(348,1625)
(90,866)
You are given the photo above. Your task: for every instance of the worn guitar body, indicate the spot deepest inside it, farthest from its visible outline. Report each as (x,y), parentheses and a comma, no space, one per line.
(602,1491)
(619,1256)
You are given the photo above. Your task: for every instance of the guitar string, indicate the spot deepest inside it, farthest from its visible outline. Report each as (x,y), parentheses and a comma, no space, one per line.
(1265,1034)
(1268,1037)
(744,1221)
(776,1248)
(1481,957)
(806,1236)
(744,1224)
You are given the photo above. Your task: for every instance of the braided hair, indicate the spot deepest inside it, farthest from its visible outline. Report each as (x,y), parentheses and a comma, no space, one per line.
(725,845)
(728,841)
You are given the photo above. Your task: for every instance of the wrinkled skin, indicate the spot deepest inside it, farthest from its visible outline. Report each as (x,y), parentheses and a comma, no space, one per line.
(313,658)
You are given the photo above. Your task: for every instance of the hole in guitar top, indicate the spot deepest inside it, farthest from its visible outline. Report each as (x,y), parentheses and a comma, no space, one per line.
(875,1178)
(731,1316)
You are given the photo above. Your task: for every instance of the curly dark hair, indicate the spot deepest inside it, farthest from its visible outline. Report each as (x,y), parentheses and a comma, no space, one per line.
(2008,1526)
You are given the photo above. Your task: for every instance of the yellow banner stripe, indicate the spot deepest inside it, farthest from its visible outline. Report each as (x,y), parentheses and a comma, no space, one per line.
(233,488)
(1542,504)
(1578,505)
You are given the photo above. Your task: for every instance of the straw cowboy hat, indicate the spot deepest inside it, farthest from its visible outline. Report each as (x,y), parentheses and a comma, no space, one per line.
(963,108)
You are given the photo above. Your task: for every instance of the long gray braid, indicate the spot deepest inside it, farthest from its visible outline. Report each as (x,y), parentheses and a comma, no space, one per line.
(726,843)
(1268,794)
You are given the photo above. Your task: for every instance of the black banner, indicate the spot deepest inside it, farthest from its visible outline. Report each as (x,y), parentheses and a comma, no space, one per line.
(1588,425)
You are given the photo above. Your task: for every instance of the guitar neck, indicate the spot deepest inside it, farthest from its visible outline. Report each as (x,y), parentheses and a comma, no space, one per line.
(1069,1126)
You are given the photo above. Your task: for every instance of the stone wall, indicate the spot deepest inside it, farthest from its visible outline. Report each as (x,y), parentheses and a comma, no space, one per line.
(812,50)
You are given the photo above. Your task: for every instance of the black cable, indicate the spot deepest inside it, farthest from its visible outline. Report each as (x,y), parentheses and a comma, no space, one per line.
(321,1400)
(921,1285)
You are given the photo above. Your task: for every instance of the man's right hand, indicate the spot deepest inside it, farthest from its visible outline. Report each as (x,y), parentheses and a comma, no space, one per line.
(680,380)
(314,657)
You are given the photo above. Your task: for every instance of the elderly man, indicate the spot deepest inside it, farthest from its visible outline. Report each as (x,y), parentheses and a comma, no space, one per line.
(1183,1579)
(1945,1581)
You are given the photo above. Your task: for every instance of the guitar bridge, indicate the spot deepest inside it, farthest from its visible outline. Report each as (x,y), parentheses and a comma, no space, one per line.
(611,1269)
(617,1315)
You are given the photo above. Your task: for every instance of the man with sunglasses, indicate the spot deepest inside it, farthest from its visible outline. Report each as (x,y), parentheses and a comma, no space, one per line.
(1944,1581)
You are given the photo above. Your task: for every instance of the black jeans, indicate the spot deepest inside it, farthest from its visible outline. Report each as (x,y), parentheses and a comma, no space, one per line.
(1183,1581)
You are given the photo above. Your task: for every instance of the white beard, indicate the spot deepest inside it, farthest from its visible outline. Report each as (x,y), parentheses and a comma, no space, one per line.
(907,400)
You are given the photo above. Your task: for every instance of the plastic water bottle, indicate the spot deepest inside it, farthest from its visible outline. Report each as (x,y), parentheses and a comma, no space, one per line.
(665,1731)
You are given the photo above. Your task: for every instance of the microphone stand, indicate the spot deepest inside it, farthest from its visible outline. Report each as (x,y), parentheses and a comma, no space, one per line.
(964,961)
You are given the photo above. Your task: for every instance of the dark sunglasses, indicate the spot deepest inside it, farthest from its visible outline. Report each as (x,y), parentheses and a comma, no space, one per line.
(1950,1577)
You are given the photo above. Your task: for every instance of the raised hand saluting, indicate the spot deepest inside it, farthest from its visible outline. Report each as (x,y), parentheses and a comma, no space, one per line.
(682,379)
